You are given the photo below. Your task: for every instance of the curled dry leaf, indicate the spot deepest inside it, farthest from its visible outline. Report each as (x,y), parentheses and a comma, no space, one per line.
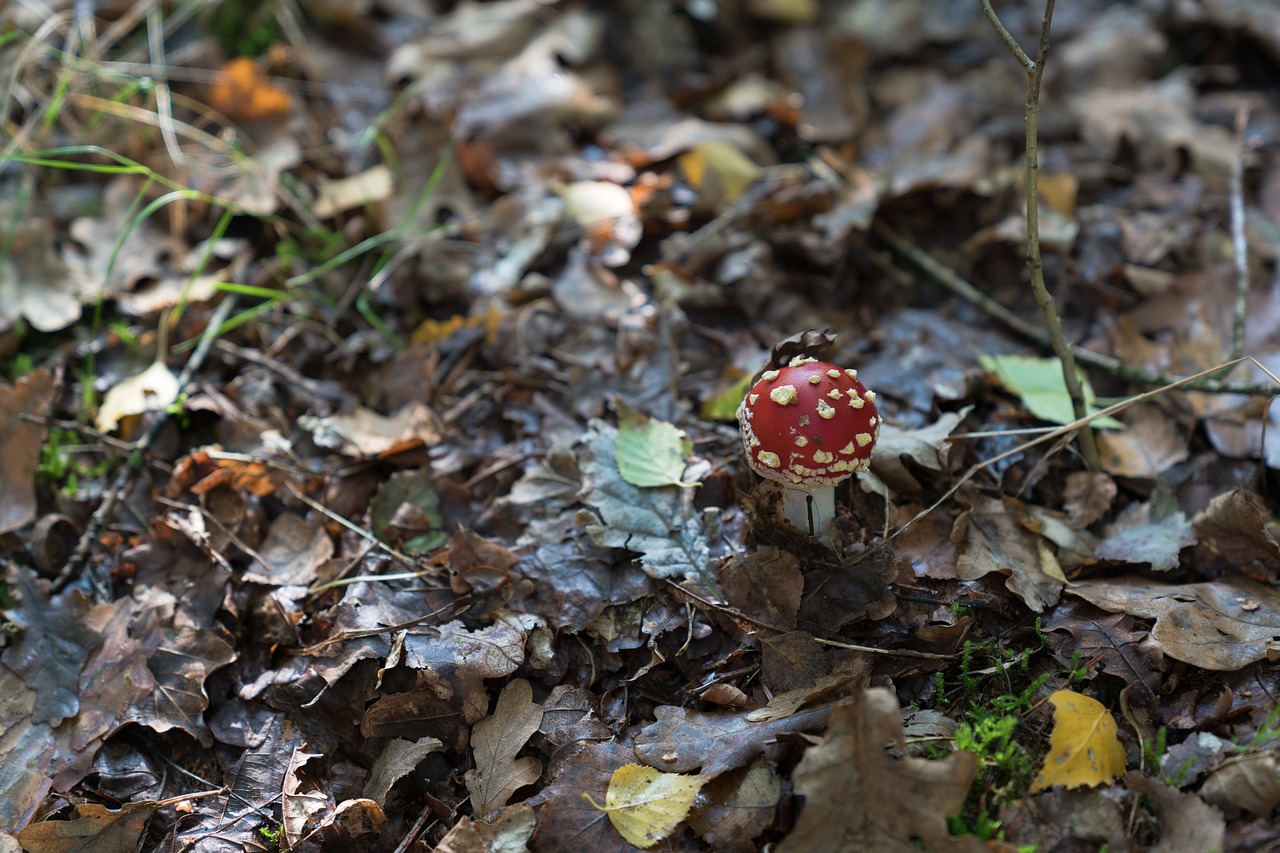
(20,442)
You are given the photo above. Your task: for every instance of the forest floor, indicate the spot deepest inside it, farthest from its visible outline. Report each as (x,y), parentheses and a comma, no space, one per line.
(370,476)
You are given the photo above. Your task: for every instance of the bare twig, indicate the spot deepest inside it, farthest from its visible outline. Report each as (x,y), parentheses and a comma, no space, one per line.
(1239,243)
(114,494)
(1052,322)
(958,285)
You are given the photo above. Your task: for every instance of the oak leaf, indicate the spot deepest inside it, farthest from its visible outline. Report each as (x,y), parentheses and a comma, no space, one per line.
(495,741)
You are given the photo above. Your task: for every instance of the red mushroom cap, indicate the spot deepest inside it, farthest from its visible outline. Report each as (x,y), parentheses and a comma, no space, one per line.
(809,424)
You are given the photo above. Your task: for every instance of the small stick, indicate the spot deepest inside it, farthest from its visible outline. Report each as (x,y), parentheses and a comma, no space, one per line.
(957,284)
(1052,322)
(1239,243)
(114,495)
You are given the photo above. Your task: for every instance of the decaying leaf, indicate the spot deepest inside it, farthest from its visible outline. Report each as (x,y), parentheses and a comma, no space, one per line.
(1152,444)
(1154,532)
(365,432)
(1222,625)
(1250,782)
(1084,750)
(20,442)
(94,827)
(37,283)
(990,538)
(661,524)
(645,805)
(853,787)
(398,759)
(1186,822)
(928,447)
(1110,639)
(736,807)
(495,741)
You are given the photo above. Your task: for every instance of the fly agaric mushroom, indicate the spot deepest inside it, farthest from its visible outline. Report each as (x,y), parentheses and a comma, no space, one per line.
(809,425)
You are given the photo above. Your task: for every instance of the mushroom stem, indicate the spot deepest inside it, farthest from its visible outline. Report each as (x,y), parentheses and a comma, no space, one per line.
(815,517)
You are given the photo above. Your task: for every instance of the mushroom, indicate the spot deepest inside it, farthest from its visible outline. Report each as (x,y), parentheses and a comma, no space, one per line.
(809,425)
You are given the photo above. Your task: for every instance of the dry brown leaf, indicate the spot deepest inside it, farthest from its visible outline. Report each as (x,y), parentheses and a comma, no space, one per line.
(1250,782)
(1150,446)
(20,443)
(1187,824)
(736,807)
(1223,625)
(398,759)
(990,538)
(365,432)
(853,787)
(1088,496)
(495,741)
(94,827)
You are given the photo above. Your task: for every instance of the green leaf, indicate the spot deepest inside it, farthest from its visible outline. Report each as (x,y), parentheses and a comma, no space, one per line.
(1039,384)
(723,404)
(662,525)
(649,452)
(406,513)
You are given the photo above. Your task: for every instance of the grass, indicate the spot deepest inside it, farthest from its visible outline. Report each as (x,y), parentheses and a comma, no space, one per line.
(993,729)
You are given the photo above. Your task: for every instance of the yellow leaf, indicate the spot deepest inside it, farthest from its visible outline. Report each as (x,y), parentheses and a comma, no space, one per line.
(1084,750)
(645,805)
(718,163)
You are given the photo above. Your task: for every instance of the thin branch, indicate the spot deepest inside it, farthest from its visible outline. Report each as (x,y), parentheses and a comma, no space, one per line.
(1239,243)
(957,284)
(121,483)
(1027,63)
(1052,322)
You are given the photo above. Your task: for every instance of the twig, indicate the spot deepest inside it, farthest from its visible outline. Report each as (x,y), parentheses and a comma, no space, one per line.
(1239,243)
(958,285)
(1052,322)
(1052,435)
(114,494)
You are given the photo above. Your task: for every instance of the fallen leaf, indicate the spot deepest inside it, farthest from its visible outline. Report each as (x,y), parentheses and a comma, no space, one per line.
(38,284)
(736,807)
(1238,532)
(649,453)
(1154,532)
(495,741)
(1250,782)
(719,171)
(398,759)
(681,739)
(1152,444)
(1110,639)
(243,92)
(94,827)
(989,537)
(406,513)
(1039,384)
(1222,625)
(20,443)
(853,787)
(928,447)
(369,187)
(646,805)
(151,390)
(661,524)
(1187,824)
(365,432)
(1088,496)
(1084,750)
(293,550)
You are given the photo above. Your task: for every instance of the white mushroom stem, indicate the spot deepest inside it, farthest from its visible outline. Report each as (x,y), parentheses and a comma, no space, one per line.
(795,504)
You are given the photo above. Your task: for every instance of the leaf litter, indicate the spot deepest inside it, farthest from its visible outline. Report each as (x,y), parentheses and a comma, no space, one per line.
(450,527)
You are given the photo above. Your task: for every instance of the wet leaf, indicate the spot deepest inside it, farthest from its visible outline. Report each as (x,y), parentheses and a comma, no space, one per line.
(736,807)
(646,805)
(54,644)
(1084,750)
(398,759)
